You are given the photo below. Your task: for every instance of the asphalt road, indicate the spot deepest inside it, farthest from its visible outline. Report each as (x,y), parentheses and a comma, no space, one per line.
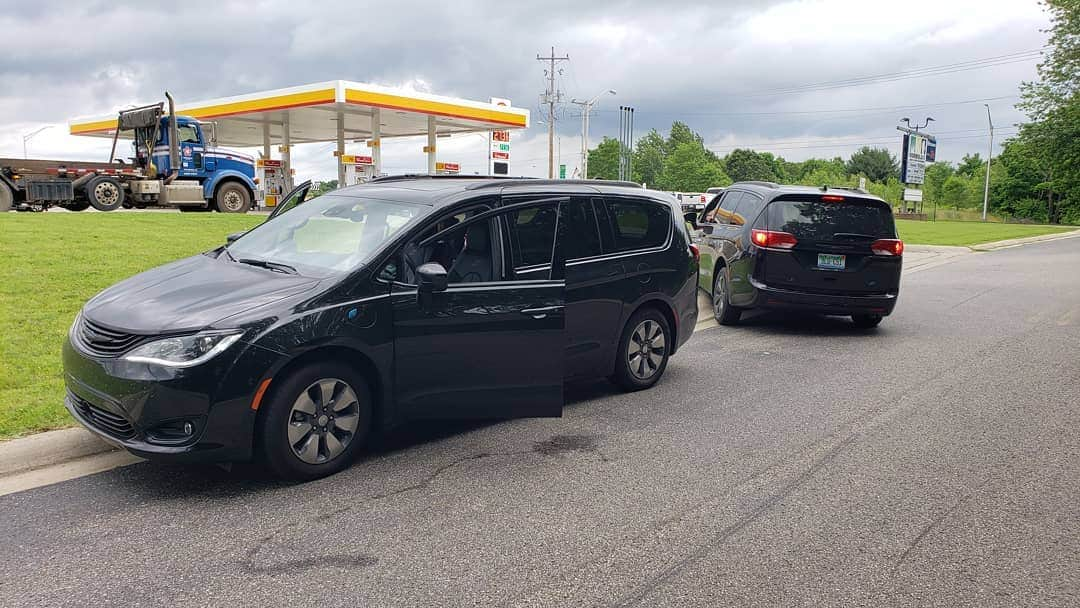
(795,462)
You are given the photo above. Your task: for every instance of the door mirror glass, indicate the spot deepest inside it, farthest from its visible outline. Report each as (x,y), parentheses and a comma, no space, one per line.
(232,237)
(431,277)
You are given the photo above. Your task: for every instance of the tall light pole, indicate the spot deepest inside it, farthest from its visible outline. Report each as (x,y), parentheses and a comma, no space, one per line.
(586,106)
(989,153)
(29,136)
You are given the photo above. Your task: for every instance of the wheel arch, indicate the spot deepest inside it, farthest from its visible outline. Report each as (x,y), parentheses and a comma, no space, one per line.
(665,308)
(352,357)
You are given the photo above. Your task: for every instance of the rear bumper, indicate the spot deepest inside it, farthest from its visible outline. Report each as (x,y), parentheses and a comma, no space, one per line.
(772,297)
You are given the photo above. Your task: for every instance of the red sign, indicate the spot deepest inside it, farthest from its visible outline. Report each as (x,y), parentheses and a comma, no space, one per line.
(500,136)
(501,155)
(364,160)
(452,167)
(270,163)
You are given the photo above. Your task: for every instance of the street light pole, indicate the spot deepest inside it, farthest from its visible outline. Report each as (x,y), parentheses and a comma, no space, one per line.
(586,106)
(989,153)
(28,136)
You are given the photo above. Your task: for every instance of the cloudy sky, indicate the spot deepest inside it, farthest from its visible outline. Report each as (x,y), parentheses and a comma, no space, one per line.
(789,77)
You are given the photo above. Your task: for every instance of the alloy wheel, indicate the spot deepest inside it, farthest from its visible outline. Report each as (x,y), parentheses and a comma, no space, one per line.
(646,349)
(719,298)
(107,193)
(323,420)
(232,200)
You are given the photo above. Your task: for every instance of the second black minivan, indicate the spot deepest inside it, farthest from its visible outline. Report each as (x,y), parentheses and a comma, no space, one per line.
(403,298)
(832,251)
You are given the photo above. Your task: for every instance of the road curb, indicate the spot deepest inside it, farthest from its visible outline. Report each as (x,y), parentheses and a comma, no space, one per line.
(1025,241)
(48,448)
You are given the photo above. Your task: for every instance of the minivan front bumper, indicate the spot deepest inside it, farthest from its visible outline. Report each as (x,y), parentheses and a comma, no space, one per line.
(145,408)
(776,298)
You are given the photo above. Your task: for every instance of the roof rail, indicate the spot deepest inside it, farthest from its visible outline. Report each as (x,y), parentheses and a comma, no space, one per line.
(758,183)
(532,181)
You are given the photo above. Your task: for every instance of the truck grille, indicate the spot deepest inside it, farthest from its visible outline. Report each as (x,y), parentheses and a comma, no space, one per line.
(111,424)
(105,342)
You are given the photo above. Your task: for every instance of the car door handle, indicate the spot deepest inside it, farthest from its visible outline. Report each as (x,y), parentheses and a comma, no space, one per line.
(540,313)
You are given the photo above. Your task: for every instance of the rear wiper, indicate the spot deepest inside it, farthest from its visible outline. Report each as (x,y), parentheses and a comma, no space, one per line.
(854,235)
(276,266)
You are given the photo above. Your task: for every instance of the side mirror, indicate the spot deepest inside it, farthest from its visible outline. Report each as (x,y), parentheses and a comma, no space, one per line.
(431,278)
(229,240)
(691,218)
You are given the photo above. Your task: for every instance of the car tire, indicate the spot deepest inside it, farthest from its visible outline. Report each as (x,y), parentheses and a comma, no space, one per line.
(866,321)
(7,199)
(723,311)
(105,193)
(644,349)
(300,434)
(232,197)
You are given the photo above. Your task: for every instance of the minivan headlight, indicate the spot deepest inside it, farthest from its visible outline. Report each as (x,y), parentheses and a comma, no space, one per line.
(184,351)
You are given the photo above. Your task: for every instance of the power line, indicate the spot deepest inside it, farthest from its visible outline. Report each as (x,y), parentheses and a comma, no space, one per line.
(767,147)
(844,137)
(795,112)
(963,66)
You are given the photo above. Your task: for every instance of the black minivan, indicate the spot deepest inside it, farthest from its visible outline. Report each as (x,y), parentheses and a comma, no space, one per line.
(403,298)
(825,250)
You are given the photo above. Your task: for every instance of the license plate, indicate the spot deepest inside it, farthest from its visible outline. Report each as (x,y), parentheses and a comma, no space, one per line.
(828,261)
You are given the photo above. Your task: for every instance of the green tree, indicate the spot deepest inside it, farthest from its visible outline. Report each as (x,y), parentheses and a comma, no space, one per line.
(936,174)
(746,165)
(875,164)
(970,164)
(690,169)
(681,134)
(649,154)
(604,160)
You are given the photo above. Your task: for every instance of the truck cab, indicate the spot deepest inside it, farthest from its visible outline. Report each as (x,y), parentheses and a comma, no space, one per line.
(201,160)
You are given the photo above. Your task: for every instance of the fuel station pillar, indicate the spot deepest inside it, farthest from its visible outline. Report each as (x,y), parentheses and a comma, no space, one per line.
(430,148)
(375,143)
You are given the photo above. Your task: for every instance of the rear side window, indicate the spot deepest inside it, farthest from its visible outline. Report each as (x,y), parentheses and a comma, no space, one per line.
(582,231)
(532,235)
(637,224)
(821,221)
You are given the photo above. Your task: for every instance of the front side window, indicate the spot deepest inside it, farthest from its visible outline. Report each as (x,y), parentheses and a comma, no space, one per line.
(637,224)
(328,235)
(465,254)
(188,134)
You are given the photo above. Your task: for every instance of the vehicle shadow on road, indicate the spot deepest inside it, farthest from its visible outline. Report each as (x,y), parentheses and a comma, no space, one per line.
(774,322)
(160,481)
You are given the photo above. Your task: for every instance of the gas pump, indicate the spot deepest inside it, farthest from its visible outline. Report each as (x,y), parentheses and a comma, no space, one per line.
(358,169)
(272,181)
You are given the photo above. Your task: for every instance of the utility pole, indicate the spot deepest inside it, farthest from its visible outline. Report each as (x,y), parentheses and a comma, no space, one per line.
(989,153)
(551,97)
(586,106)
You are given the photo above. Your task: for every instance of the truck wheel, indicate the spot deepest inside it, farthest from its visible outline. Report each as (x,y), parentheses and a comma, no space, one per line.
(232,198)
(79,205)
(105,193)
(6,197)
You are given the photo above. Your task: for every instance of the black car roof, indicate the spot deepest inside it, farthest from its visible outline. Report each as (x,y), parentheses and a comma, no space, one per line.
(436,190)
(771,190)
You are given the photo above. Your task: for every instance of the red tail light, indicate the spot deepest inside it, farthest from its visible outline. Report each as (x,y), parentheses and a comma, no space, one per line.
(887,247)
(832,198)
(773,239)
(697,252)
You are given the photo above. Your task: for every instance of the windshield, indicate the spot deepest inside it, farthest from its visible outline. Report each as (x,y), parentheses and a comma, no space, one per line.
(327,235)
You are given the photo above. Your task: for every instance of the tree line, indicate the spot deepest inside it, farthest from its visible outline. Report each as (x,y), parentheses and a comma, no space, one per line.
(1035,176)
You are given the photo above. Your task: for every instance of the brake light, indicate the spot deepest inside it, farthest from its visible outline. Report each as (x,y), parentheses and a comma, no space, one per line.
(773,239)
(703,198)
(832,198)
(697,252)
(887,247)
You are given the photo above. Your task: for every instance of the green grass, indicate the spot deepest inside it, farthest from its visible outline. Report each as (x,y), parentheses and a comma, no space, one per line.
(53,263)
(968,233)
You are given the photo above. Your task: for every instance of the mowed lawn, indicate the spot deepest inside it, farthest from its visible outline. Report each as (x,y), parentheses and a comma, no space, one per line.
(969,233)
(53,263)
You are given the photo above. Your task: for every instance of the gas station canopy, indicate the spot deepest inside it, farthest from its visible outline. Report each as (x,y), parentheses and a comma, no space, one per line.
(336,110)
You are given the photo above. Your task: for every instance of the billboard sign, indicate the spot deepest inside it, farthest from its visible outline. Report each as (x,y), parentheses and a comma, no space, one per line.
(918,149)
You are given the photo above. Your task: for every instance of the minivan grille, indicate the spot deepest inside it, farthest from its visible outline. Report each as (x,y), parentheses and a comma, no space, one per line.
(105,342)
(108,422)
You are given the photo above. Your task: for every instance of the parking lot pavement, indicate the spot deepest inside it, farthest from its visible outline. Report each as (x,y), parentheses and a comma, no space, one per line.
(786,461)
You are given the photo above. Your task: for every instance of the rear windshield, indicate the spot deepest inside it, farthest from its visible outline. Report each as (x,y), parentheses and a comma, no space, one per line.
(821,221)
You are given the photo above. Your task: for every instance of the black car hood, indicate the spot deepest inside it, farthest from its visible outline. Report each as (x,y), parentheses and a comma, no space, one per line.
(190,294)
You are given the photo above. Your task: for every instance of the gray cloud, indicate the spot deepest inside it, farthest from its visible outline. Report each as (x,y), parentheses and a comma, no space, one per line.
(693,61)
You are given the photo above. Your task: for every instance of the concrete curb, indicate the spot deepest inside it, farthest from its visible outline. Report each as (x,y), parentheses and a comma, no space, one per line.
(1024,241)
(49,448)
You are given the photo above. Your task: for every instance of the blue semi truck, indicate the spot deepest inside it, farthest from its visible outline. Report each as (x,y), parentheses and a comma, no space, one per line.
(175,162)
